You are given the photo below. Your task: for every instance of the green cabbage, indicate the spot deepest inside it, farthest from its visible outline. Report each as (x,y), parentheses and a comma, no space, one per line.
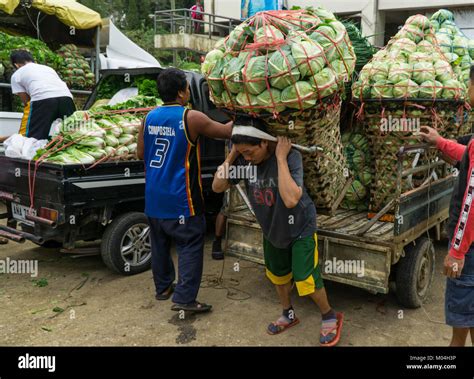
(323,14)
(379,71)
(431,89)
(399,71)
(122,151)
(248,101)
(254,75)
(299,92)
(211,59)
(233,74)
(425,47)
(309,56)
(443,70)
(470,46)
(406,89)
(324,82)
(423,71)
(283,69)
(460,45)
(126,139)
(94,152)
(269,98)
(443,15)
(237,38)
(91,141)
(382,89)
(403,45)
(419,21)
(453,89)
(111,140)
(356,192)
(268,34)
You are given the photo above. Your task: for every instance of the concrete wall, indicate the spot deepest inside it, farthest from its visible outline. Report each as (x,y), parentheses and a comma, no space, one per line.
(193,42)
(420,4)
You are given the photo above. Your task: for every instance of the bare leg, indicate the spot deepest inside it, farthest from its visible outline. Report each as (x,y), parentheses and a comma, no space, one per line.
(459,337)
(319,296)
(284,294)
(220,225)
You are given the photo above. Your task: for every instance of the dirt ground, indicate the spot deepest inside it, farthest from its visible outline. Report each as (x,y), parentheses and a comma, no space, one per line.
(85,304)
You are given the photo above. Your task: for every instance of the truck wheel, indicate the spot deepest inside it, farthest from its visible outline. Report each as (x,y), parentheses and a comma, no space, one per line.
(126,246)
(415,273)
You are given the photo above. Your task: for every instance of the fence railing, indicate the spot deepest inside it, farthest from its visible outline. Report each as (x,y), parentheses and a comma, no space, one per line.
(181,21)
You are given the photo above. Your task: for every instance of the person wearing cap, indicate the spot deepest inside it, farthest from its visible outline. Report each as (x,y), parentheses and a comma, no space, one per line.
(287,216)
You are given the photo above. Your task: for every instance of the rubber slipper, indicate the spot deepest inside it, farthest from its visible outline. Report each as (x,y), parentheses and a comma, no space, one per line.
(337,330)
(166,294)
(192,307)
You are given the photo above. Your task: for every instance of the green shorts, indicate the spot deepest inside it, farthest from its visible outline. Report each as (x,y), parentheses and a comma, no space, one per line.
(298,262)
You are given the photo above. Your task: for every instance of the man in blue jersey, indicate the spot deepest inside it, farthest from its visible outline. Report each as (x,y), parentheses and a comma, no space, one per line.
(169,145)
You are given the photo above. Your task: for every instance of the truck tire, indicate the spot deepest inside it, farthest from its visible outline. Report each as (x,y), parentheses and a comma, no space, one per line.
(415,273)
(126,247)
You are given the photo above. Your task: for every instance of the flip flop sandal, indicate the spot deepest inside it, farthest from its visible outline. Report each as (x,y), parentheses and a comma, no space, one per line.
(167,293)
(336,330)
(280,325)
(196,307)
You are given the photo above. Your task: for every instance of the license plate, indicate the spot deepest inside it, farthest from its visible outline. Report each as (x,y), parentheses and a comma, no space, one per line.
(20,211)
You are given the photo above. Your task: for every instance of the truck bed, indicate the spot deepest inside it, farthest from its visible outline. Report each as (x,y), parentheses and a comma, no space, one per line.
(350,235)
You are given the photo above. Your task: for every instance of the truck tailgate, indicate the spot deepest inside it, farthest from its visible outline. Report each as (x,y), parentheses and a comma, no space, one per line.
(72,184)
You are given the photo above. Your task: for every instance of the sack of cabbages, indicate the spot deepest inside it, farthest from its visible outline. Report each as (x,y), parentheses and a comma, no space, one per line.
(279,61)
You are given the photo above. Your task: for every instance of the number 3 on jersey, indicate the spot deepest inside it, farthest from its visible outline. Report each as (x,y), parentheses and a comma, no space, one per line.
(162,146)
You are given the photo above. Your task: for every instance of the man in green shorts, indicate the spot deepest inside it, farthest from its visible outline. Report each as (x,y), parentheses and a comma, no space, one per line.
(274,181)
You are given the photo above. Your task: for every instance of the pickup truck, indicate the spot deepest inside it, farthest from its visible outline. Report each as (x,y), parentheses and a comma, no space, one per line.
(54,205)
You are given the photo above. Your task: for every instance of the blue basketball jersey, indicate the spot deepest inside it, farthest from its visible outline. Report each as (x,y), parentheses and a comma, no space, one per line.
(173,186)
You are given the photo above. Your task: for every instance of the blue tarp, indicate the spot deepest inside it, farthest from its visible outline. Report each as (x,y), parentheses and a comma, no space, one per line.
(250,7)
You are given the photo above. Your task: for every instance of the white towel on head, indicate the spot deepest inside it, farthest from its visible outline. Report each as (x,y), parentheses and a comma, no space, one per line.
(251,131)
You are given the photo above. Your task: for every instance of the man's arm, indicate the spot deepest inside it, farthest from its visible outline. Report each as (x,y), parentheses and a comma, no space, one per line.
(24,97)
(221,182)
(289,190)
(453,150)
(464,232)
(141,142)
(199,123)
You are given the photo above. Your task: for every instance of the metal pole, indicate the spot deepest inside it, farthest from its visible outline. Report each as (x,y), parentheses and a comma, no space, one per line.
(97,54)
(175,53)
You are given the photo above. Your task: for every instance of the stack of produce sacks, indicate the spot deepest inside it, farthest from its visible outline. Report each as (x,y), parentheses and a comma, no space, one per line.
(325,174)
(75,70)
(289,67)
(98,135)
(41,53)
(456,47)
(408,84)
(357,153)
(280,60)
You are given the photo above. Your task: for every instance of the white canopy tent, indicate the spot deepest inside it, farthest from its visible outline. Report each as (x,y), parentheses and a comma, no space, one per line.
(123,53)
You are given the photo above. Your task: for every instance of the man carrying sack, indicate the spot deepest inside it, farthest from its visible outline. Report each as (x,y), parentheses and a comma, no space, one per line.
(287,217)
